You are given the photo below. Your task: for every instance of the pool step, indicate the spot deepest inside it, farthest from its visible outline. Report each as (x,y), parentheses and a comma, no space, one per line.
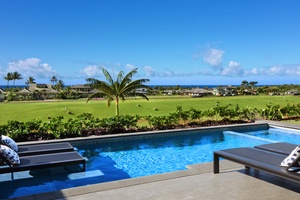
(249,136)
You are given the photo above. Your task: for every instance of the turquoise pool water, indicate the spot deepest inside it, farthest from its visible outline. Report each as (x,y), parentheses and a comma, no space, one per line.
(122,159)
(160,155)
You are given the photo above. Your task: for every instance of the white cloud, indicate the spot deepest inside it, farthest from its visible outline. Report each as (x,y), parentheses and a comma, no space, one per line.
(172,73)
(233,69)
(130,66)
(214,57)
(298,71)
(254,71)
(31,67)
(91,71)
(233,64)
(284,70)
(150,72)
(169,73)
(276,70)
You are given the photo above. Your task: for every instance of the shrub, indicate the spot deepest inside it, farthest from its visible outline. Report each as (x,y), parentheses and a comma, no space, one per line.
(86,124)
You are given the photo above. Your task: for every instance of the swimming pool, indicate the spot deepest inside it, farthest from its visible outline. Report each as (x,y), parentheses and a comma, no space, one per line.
(128,157)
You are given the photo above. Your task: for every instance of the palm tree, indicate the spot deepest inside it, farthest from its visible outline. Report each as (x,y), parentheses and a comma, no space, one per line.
(252,83)
(8,78)
(16,76)
(244,83)
(117,89)
(36,94)
(60,85)
(30,80)
(53,80)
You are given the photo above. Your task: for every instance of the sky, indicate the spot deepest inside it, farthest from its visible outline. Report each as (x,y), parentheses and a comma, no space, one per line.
(171,42)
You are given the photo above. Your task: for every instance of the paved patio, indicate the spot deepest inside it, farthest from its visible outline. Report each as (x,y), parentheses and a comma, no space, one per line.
(198,182)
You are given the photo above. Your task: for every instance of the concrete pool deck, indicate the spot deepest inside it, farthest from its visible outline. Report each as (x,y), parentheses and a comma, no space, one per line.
(198,182)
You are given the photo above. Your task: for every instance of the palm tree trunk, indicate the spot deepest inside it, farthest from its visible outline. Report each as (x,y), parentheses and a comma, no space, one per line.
(117,106)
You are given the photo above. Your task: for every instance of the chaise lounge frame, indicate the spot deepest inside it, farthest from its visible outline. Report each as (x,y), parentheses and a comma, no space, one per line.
(257,159)
(35,149)
(44,161)
(278,147)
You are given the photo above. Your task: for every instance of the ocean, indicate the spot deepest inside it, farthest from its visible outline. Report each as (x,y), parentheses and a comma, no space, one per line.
(152,86)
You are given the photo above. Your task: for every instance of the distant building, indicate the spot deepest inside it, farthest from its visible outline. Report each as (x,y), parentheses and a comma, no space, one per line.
(2,95)
(83,90)
(224,91)
(142,91)
(40,91)
(196,92)
(292,91)
(167,92)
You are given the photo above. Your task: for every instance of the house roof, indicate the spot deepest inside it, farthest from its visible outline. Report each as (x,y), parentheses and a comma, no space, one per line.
(80,86)
(24,91)
(196,90)
(47,88)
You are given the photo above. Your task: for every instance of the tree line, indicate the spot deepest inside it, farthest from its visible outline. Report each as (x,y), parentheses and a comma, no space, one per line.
(13,76)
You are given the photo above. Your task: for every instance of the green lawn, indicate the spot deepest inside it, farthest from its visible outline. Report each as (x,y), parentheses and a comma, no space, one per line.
(25,111)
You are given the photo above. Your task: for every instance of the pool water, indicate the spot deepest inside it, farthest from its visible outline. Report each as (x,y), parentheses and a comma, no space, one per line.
(276,134)
(136,158)
(161,155)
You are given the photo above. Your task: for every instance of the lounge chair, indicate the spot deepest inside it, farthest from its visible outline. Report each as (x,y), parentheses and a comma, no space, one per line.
(279,147)
(258,159)
(35,149)
(44,161)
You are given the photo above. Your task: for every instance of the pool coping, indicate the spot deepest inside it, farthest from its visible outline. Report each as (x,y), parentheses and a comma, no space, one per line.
(146,133)
(191,169)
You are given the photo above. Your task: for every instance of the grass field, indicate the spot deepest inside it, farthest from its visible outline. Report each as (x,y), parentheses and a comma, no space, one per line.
(25,111)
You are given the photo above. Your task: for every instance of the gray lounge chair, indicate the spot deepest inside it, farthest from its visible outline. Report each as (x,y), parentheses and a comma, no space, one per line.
(35,149)
(279,147)
(257,159)
(44,161)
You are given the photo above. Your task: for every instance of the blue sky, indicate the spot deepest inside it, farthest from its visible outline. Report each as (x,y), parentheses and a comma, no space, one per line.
(171,42)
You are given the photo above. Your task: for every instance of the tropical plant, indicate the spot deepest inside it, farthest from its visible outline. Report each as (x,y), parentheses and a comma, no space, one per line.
(10,95)
(271,112)
(114,90)
(53,80)
(290,111)
(8,78)
(67,93)
(252,84)
(162,122)
(30,80)
(16,76)
(36,94)
(195,114)
(181,114)
(60,85)
(247,113)
(55,127)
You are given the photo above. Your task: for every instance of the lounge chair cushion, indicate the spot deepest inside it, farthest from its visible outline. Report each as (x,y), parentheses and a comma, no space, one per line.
(5,140)
(9,156)
(288,161)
